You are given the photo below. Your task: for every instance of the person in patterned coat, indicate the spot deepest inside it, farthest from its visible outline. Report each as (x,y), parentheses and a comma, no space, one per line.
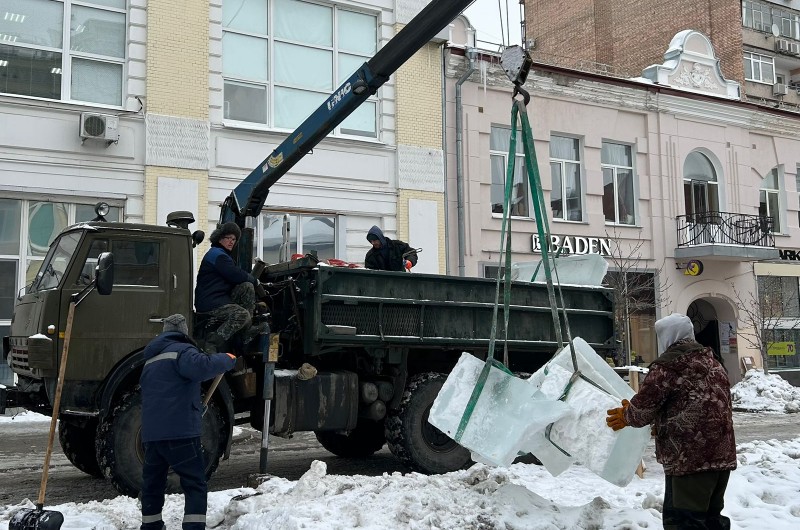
(686,397)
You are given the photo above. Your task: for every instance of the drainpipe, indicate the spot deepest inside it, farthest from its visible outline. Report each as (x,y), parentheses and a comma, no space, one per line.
(471,53)
(444,161)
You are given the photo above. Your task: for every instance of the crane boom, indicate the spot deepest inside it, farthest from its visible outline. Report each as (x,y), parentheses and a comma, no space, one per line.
(248,198)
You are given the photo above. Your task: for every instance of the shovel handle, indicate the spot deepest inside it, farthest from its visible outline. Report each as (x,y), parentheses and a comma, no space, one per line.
(211,389)
(62,369)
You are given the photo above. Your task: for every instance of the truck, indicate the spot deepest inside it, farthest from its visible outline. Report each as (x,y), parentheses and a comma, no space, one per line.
(382,343)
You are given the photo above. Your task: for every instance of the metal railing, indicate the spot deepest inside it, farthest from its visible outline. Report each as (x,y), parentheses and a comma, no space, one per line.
(725,228)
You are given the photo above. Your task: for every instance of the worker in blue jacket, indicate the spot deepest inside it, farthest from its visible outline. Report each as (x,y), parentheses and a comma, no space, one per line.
(172,421)
(225,292)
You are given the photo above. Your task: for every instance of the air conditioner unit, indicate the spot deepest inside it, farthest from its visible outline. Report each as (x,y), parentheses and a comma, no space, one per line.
(782,45)
(102,127)
(779,89)
(794,48)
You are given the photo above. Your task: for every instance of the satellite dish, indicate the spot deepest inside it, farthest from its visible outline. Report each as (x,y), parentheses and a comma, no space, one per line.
(776,31)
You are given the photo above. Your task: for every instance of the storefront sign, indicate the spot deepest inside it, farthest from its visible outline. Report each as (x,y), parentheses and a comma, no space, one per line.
(780,348)
(789,255)
(575,245)
(694,267)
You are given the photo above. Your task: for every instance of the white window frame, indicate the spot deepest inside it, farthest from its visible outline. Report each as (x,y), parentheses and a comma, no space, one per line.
(270,84)
(778,226)
(759,60)
(615,171)
(562,162)
(296,228)
(518,157)
(67,54)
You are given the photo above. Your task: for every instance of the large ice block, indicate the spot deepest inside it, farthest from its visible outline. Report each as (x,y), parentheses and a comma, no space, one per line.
(506,415)
(578,269)
(585,436)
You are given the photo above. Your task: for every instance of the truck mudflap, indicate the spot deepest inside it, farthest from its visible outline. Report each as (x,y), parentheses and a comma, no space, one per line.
(326,402)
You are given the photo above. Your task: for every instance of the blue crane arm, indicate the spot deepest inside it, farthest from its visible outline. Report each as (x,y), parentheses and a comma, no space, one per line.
(248,198)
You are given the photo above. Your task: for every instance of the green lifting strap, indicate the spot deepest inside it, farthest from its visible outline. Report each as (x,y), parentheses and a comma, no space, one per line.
(532,170)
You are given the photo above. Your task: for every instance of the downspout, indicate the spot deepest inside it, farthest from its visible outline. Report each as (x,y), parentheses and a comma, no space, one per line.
(471,53)
(444,161)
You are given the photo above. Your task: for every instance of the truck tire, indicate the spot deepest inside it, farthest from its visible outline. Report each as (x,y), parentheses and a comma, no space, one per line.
(367,438)
(77,443)
(413,440)
(120,452)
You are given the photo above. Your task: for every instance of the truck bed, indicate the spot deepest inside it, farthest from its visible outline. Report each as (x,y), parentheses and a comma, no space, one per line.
(342,307)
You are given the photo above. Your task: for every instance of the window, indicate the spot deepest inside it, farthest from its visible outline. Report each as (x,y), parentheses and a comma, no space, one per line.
(135,262)
(566,198)
(283,235)
(700,188)
(67,50)
(759,68)
(756,15)
(769,200)
(282,58)
(27,228)
(618,198)
(499,143)
(787,23)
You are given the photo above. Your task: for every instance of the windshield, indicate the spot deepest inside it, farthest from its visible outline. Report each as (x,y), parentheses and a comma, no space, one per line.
(55,263)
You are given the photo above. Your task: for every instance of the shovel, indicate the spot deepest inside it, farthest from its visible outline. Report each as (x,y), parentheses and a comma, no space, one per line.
(39,518)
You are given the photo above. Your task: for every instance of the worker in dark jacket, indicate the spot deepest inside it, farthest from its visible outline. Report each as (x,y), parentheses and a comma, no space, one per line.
(224,291)
(387,254)
(172,421)
(686,397)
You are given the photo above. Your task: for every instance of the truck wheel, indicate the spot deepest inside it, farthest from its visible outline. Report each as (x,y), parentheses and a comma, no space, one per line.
(78,445)
(119,444)
(413,440)
(367,438)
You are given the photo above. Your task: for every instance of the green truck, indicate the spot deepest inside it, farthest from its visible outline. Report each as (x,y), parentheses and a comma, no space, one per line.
(381,342)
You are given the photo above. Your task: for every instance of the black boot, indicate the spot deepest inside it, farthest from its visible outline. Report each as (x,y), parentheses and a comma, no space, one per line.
(214,343)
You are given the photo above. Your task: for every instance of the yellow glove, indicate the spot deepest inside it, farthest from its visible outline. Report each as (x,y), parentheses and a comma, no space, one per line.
(616,417)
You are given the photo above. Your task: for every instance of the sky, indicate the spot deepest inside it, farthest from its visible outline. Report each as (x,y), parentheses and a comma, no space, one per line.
(762,492)
(484,15)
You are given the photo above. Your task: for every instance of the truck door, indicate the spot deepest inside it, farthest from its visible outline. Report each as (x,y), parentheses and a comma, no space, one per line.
(108,328)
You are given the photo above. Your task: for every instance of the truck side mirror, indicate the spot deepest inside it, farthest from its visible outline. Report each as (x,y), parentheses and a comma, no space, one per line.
(197,237)
(104,273)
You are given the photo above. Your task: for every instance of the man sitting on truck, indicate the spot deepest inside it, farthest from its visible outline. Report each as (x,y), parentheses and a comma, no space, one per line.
(387,254)
(225,292)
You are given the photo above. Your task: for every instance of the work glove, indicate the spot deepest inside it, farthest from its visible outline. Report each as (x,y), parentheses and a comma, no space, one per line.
(408,264)
(616,417)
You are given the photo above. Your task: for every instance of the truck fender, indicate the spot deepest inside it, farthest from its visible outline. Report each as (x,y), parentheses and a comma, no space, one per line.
(126,374)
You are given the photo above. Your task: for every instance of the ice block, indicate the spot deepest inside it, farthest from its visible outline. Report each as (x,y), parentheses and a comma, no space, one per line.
(614,456)
(505,416)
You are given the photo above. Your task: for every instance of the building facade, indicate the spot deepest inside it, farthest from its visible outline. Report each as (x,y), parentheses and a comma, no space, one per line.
(161,105)
(669,176)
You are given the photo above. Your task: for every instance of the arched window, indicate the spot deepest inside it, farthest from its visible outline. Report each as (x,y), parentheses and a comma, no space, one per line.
(700,188)
(769,200)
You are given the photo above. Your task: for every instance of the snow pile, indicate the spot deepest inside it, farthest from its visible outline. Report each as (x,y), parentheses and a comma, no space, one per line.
(760,392)
(23,416)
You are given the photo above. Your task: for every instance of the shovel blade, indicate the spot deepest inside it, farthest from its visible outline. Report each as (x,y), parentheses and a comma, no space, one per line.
(35,519)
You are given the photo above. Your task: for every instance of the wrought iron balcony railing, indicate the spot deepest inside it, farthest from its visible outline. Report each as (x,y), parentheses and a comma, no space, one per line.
(725,228)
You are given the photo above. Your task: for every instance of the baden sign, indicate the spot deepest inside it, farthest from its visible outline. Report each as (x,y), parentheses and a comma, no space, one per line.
(575,245)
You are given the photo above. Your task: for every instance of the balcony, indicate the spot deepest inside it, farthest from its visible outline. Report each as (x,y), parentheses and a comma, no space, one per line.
(725,236)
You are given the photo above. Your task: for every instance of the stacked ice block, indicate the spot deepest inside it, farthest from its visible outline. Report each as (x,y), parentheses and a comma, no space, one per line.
(513,416)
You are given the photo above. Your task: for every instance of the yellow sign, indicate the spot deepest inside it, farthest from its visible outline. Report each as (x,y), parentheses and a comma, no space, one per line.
(694,267)
(780,348)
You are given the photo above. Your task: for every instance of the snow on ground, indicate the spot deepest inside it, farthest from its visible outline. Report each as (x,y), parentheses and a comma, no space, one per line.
(24,416)
(762,493)
(760,392)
